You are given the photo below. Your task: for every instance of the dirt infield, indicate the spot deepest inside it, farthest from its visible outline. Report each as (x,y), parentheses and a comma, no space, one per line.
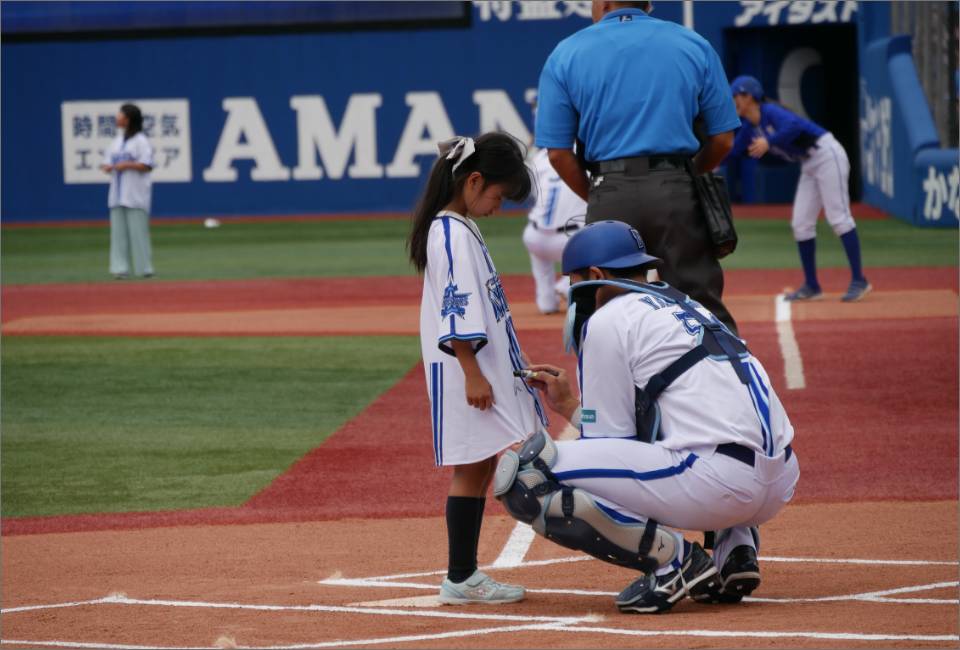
(345,548)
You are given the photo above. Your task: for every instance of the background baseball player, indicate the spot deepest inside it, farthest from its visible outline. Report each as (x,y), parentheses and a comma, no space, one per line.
(659,367)
(469,345)
(557,213)
(824,173)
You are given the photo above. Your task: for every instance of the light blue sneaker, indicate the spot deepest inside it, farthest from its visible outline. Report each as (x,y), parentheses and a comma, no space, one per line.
(857,290)
(479,588)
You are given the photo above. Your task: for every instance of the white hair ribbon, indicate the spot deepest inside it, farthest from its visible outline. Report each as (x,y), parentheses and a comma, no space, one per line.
(457,149)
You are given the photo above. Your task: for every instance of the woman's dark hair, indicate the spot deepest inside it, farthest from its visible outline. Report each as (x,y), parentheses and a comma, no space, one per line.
(499,157)
(134,120)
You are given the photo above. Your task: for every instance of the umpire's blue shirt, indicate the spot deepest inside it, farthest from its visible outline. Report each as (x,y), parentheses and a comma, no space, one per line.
(631,85)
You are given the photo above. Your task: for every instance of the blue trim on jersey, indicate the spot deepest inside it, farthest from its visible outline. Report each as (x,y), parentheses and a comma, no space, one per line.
(551,204)
(475,336)
(616,516)
(445,221)
(583,336)
(628,473)
(759,394)
(436,402)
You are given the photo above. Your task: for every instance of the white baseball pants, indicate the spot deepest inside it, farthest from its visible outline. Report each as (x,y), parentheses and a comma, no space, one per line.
(692,489)
(823,185)
(546,250)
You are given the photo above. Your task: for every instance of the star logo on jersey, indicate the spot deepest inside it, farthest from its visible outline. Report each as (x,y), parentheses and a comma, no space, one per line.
(497,297)
(453,302)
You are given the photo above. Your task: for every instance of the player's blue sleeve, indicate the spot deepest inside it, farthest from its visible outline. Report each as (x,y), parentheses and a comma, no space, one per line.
(787,125)
(716,102)
(741,142)
(557,118)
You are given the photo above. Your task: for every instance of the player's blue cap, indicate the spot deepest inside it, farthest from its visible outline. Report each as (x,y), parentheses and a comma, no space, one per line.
(747,85)
(607,245)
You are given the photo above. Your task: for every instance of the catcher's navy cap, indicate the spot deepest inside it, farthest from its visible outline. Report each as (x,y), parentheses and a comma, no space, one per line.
(747,85)
(607,245)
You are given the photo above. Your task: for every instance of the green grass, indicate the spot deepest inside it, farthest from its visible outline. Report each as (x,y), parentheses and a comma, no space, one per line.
(125,424)
(319,248)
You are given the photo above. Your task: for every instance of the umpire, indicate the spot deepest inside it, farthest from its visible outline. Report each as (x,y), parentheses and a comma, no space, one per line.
(629,88)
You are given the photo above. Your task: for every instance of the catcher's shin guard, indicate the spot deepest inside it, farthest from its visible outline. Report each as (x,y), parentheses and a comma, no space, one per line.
(571,517)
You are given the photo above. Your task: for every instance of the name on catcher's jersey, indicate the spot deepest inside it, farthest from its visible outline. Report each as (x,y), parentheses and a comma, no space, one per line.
(635,336)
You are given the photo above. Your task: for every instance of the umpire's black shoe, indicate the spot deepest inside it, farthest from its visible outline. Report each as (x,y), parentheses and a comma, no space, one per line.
(739,576)
(650,594)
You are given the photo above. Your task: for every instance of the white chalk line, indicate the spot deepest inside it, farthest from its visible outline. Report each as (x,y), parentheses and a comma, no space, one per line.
(525,623)
(516,547)
(871,596)
(587,558)
(789,349)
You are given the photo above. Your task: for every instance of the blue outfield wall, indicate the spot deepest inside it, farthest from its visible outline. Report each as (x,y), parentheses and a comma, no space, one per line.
(339,121)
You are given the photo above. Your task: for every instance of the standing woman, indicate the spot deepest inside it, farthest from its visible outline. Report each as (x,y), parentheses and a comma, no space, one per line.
(129,162)
(824,172)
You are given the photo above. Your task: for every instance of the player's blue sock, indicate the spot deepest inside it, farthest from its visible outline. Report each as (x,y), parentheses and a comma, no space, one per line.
(808,258)
(851,244)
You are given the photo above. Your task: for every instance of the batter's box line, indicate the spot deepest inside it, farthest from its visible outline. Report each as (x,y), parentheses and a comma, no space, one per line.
(763,558)
(869,596)
(561,624)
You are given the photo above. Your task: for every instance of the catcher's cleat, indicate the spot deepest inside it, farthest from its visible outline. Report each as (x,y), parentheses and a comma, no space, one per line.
(740,576)
(651,594)
(479,588)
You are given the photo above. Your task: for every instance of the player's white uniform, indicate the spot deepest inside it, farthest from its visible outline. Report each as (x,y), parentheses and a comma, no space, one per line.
(551,222)
(680,481)
(463,299)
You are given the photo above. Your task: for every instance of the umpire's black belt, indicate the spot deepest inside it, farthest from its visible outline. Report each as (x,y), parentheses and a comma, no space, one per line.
(639,165)
(745,454)
(570,227)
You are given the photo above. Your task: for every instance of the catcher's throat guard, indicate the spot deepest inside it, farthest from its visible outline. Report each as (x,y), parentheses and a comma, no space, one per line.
(572,517)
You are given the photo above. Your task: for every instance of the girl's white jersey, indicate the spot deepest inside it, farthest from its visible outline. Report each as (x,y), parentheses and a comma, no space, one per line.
(130,188)
(464,300)
(633,337)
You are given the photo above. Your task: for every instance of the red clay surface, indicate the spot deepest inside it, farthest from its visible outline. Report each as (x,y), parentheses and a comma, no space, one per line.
(876,437)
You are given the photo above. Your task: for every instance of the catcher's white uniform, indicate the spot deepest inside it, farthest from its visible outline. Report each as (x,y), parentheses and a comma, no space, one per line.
(557,213)
(681,481)
(463,299)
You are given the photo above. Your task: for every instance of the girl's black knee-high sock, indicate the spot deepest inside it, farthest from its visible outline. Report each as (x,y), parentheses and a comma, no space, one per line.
(464,516)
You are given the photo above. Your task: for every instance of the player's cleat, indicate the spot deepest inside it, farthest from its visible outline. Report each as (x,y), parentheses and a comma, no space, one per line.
(857,290)
(479,588)
(806,292)
(739,577)
(651,594)
(120,276)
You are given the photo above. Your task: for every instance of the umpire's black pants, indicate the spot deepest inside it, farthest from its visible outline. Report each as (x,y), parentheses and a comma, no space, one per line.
(662,205)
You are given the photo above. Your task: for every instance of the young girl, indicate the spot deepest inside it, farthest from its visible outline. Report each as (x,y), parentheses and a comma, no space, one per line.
(824,171)
(129,161)
(470,348)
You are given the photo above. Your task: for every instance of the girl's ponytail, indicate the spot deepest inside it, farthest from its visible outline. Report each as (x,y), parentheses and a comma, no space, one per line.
(438,193)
